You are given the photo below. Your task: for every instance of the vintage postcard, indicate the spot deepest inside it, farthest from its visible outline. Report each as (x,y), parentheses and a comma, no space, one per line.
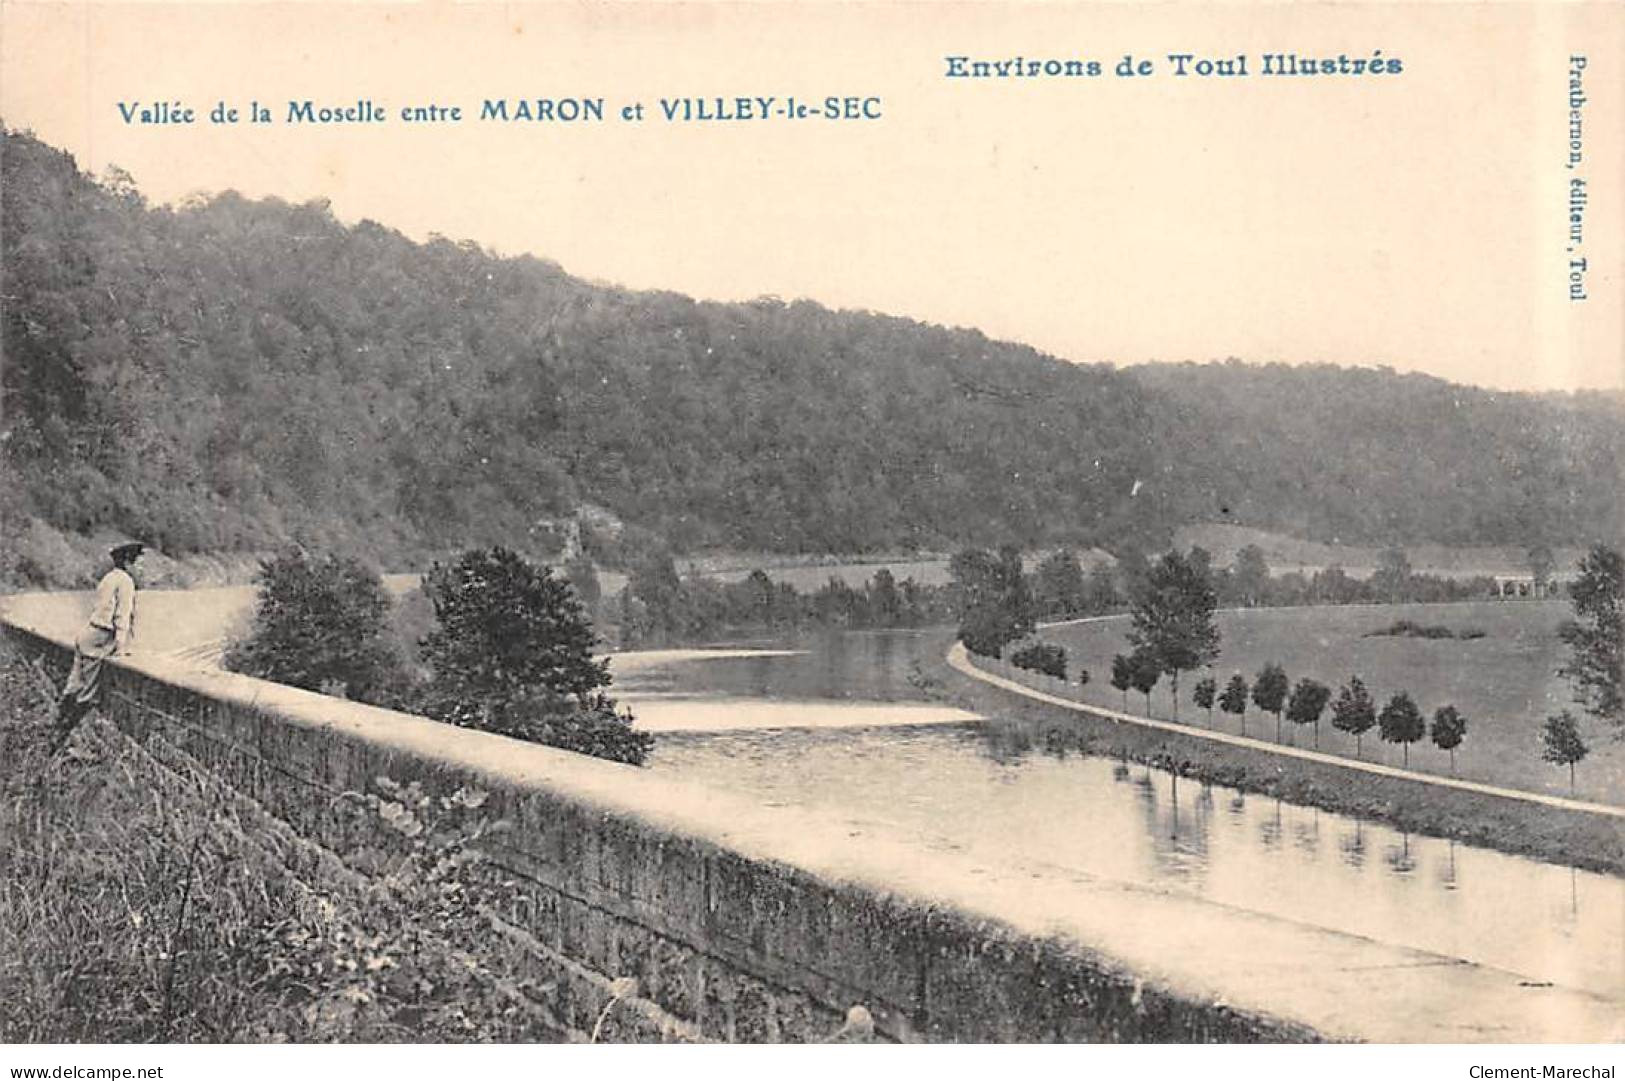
(812,522)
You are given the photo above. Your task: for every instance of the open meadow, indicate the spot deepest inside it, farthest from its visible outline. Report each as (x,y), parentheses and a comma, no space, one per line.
(1505,682)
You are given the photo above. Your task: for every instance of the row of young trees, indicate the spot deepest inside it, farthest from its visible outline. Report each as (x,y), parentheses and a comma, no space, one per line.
(1304,703)
(1353,711)
(1173,631)
(511,650)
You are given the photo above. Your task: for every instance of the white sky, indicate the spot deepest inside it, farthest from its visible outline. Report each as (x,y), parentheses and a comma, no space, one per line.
(1417,221)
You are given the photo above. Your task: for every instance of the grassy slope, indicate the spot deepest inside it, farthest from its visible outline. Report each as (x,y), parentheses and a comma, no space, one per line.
(1286,553)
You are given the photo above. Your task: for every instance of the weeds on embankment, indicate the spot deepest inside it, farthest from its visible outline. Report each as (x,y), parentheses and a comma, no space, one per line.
(142,900)
(1575,838)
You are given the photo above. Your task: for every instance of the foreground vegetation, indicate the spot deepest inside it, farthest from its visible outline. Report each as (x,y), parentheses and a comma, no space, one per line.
(143,901)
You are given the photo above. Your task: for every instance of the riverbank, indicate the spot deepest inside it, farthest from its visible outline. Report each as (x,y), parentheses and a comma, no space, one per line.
(1555,835)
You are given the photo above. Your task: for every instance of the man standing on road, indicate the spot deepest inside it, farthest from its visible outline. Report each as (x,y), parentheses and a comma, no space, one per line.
(112,622)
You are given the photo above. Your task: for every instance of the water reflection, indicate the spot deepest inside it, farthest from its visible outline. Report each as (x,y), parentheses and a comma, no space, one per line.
(1447,873)
(1269,830)
(1003,800)
(866,666)
(1352,845)
(1399,857)
(1306,835)
(1031,803)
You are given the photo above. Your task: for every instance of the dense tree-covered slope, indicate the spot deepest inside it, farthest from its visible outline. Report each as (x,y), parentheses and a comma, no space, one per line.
(231,374)
(1369,456)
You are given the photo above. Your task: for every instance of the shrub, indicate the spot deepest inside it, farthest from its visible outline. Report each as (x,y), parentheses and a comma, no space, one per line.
(1407,628)
(594,727)
(987,630)
(320,623)
(1041,657)
(512,654)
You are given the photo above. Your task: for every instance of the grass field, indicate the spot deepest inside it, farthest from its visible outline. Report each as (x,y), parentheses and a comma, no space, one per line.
(1506,683)
(1284,553)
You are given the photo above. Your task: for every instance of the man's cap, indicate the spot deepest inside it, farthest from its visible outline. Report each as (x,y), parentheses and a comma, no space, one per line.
(125,552)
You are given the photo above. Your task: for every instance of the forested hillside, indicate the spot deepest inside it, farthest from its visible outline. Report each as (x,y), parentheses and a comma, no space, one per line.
(228,375)
(1369,456)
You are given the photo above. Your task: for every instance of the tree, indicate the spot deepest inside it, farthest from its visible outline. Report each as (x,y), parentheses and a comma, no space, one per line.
(583,578)
(992,600)
(1332,585)
(1563,745)
(1015,595)
(1203,693)
(1449,729)
(654,584)
(1042,657)
(1102,595)
(1123,676)
(1308,702)
(512,653)
(1250,575)
(1234,699)
(1391,581)
(1401,722)
(1058,585)
(1144,671)
(885,601)
(1541,563)
(318,624)
(1354,712)
(1594,636)
(1173,618)
(1269,692)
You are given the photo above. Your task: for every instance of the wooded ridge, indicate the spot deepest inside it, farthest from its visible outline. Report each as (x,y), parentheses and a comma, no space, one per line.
(229,375)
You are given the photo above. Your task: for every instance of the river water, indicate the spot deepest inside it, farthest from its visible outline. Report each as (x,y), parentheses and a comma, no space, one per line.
(973,787)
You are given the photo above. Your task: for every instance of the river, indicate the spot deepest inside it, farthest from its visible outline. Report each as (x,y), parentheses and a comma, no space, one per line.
(971,786)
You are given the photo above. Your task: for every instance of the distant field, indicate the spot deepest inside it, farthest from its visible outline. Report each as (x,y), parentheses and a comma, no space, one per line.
(1505,682)
(1284,553)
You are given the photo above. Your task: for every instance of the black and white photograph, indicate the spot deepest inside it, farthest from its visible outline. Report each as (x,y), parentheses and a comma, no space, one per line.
(539,525)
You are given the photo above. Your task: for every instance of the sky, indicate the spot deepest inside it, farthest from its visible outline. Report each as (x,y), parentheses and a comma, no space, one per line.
(1418,219)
